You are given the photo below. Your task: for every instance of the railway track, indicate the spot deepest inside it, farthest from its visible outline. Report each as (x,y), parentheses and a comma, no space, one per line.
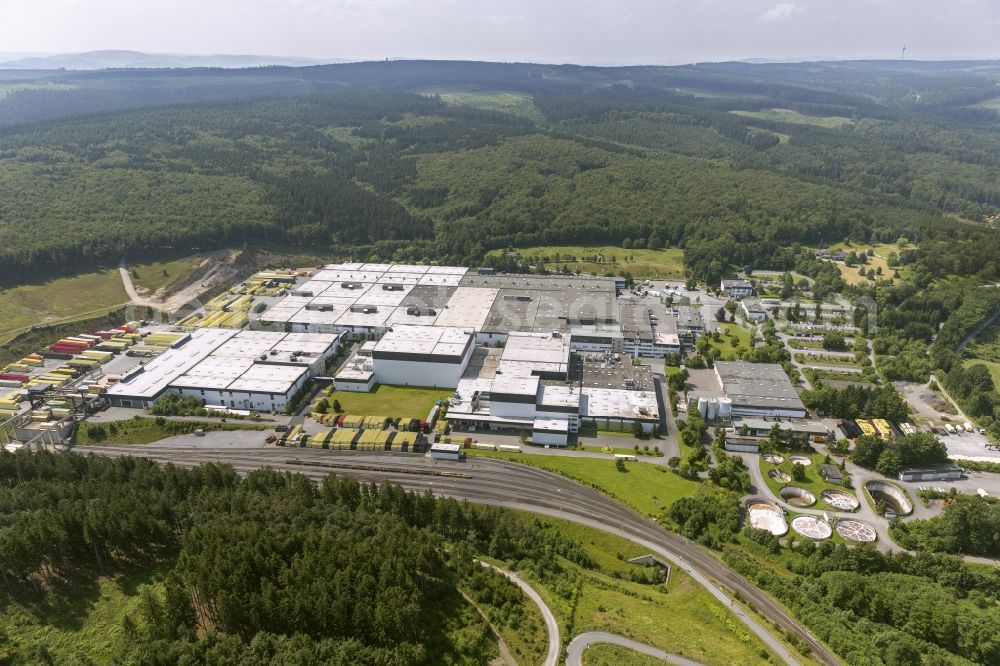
(492,481)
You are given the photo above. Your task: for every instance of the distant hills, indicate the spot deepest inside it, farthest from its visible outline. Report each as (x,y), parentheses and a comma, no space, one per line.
(112,59)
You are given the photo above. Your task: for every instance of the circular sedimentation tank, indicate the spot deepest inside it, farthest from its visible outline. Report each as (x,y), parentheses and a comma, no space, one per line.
(779,476)
(805,461)
(773,458)
(765,515)
(855,530)
(894,497)
(796,496)
(840,500)
(812,527)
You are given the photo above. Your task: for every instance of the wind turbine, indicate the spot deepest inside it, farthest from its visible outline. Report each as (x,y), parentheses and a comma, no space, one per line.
(901,55)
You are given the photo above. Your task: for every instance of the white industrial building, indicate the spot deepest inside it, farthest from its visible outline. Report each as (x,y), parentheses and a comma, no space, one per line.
(758,389)
(429,356)
(737,288)
(753,310)
(246,370)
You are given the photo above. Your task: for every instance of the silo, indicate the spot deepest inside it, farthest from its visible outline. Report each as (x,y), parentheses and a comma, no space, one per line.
(703,407)
(725,409)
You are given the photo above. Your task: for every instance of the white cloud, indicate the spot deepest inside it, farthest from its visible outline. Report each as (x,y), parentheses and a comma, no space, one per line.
(781,11)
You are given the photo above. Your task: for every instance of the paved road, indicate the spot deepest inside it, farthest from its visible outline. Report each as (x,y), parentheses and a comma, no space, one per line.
(574,652)
(551,626)
(221,269)
(503,483)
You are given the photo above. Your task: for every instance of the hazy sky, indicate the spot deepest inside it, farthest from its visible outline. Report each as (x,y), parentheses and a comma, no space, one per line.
(612,31)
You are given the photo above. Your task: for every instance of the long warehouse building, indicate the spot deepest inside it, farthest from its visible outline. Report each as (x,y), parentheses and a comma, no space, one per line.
(248,370)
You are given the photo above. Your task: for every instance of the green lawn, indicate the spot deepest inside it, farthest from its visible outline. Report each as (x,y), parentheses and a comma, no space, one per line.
(790,116)
(879,260)
(993,367)
(825,359)
(680,617)
(646,487)
(606,654)
(146,430)
(163,274)
(734,338)
(814,483)
(46,301)
(80,628)
(395,401)
(658,264)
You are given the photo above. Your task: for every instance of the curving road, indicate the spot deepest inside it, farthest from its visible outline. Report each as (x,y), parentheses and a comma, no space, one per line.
(504,483)
(574,653)
(551,626)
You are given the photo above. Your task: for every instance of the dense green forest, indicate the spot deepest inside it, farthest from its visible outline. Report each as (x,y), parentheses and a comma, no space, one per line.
(267,569)
(737,164)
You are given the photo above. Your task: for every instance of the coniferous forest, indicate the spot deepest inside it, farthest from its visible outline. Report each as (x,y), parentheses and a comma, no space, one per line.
(735,163)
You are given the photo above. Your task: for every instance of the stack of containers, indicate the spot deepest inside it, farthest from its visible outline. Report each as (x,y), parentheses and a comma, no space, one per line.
(10,406)
(70,346)
(99,356)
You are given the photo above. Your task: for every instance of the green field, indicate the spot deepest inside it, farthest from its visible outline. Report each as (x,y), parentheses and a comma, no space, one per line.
(658,264)
(993,104)
(681,617)
(163,274)
(142,430)
(646,487)
(790,116)
(395,401)
(605,654)
(26,305)
(879,260)
(505,101)
(82,628)
(734,339)
(11,88)
(993,367)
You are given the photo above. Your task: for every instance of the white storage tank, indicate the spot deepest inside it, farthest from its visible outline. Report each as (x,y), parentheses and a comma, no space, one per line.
(702,407)
(725,409)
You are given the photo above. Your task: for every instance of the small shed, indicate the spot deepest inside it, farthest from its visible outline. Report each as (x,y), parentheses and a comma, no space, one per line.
(948,471)
(831,473)
(446,451)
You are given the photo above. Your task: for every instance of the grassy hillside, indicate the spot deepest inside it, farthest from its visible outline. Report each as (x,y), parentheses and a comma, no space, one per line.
(660,264)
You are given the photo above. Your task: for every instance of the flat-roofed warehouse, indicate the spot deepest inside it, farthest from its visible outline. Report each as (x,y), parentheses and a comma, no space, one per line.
(544,303)
(759,389)
(250,370)
(434,356)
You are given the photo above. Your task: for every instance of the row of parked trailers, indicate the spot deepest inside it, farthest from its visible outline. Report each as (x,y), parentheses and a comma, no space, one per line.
(360,439)
(354,421)
(876,427)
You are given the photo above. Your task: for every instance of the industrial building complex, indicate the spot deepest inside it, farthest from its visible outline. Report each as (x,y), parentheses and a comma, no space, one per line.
(546,355)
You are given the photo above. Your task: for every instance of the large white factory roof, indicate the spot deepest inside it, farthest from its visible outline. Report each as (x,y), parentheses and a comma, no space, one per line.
(539,352)
(512,385)
(424,341)
(618,404)
(338,295)
(468,307)
(228,359)
(156,375)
